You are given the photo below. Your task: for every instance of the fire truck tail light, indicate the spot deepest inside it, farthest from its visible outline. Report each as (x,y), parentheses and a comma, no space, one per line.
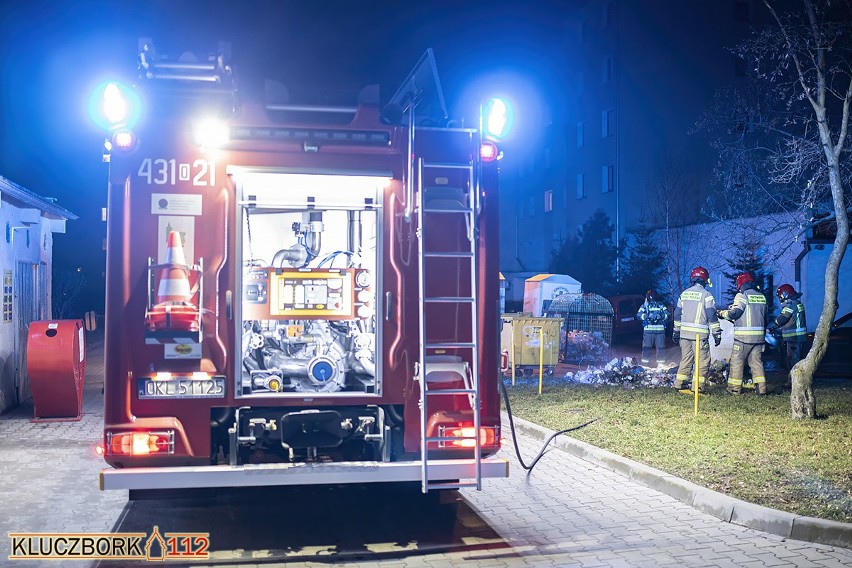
(124,140)
(140,443)
(487,436)
(488,151)
(210,133)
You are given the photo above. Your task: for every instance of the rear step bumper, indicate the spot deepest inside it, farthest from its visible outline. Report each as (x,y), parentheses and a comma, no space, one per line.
(256,475)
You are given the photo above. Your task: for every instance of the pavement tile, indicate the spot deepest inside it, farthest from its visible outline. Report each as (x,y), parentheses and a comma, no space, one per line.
(568,512)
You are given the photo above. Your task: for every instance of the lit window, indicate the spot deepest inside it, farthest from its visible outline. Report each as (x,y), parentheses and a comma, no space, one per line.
(581,134)
(548,201)
(581,186)
(608,179)
(103,213)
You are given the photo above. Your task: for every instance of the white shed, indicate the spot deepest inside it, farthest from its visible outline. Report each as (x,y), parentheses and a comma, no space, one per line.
(27,224)
(541,289)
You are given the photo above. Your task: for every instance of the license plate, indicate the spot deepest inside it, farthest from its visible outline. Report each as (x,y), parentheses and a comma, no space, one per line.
(214,387)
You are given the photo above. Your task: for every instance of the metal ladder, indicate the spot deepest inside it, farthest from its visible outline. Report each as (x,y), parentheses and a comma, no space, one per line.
(470,212)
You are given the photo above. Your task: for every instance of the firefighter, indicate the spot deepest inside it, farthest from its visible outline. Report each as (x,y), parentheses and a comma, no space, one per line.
(653,314)
(695,318)
(748,312)
(791,322)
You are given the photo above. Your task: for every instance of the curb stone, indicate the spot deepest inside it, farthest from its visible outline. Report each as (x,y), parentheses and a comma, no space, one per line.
(719,505)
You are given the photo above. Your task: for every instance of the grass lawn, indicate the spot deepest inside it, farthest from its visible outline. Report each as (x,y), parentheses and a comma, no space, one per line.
(746,446)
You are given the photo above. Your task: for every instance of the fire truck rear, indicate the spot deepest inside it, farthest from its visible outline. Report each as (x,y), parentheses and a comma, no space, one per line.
(296,293)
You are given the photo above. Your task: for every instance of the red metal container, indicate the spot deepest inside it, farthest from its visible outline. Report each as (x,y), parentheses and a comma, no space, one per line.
(56,364)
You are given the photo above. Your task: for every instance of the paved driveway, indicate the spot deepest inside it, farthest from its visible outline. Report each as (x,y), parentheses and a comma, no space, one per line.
(569,512)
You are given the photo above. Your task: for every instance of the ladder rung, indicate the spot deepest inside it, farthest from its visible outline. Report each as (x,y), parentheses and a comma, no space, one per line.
(449,299)
(449,254)
(448,210)
(460,165)
(450,391)
(452,485)
(449,345)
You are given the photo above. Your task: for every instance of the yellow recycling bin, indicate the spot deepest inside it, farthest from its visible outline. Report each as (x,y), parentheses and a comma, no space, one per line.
(529,343)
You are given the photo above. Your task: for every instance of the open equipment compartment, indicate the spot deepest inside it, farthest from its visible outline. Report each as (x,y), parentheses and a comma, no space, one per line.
(310,283)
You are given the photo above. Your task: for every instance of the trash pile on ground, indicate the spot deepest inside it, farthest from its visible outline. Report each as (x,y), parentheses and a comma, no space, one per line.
(628,373)
(582,346)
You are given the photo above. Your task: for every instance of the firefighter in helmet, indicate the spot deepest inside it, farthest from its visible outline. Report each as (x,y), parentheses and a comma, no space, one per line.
(694,321)
(653,314)
(748,312)
(791,322)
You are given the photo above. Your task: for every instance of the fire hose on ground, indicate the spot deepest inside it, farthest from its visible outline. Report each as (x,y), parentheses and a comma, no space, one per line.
(546,443)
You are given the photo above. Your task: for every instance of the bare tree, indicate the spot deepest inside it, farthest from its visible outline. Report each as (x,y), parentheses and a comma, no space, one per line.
(671,207)
(67,286)
(783,143)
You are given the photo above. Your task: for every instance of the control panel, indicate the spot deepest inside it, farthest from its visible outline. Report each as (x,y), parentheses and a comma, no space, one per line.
(307,293)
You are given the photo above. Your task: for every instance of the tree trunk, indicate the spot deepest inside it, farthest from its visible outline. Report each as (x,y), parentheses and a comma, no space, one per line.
(802,399)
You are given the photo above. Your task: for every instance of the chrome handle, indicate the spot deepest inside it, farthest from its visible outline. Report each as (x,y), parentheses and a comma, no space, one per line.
(409,168)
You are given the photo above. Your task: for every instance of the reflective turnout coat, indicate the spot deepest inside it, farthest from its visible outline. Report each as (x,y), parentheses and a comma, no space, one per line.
(749,314)
(695,314)
(791,320)
(653,315)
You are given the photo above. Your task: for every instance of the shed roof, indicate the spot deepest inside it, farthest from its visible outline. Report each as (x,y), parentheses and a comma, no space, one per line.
(11,191)
(560,278)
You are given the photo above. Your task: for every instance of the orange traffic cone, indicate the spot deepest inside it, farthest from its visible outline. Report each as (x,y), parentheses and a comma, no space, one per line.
(173,311)
(174,282)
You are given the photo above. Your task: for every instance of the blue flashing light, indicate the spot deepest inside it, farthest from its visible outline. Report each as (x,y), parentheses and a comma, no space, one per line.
(114,105)
(497,118)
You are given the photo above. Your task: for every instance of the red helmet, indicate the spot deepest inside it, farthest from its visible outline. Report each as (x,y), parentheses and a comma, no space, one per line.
(651,295)
(744,278)
(699,273)
(785,292)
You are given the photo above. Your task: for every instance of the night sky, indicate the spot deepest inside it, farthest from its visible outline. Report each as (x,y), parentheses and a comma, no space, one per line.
(52,55)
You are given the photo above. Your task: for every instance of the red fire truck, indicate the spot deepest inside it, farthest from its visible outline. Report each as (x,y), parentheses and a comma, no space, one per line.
(296,293)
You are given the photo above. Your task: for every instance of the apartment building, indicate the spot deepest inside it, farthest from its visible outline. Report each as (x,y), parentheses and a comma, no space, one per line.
(637,75)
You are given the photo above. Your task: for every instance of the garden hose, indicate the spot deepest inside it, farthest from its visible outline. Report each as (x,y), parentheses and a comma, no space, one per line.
(546,443)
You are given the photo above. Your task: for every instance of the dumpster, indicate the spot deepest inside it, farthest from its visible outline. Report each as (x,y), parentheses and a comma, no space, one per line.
(56,364)
(526,333)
